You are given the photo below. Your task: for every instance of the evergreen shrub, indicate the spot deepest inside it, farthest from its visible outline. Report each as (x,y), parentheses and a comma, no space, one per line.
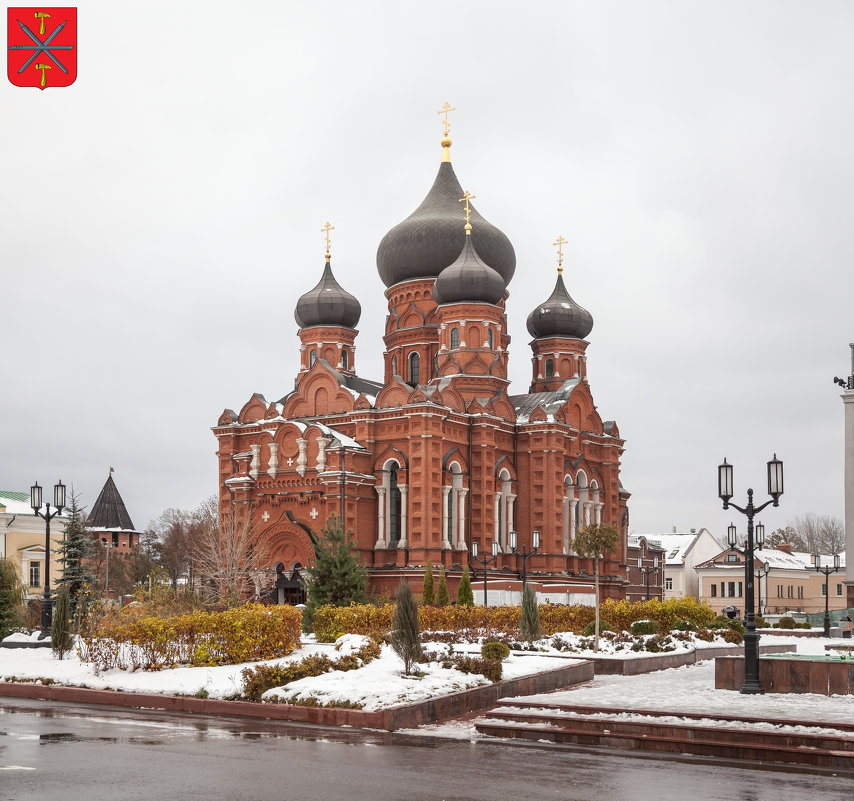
(405,632)
(786,623)
(442,596)
(428,594)
(644,627)
(495,650)
(465,595)
(590,628)
(60,630)
(529,625)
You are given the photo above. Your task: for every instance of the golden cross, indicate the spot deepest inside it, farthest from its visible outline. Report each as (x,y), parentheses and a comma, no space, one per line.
(325,230)
(467,197)
(559,245)
(444,110)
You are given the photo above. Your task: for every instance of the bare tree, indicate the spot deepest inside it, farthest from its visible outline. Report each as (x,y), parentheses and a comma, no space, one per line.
(813,533)
(230,559)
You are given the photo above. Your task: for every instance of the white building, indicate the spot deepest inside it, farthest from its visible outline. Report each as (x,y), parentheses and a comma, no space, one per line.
(683,552)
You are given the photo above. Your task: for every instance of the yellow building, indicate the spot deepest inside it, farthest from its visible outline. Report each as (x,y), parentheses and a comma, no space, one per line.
(22,535)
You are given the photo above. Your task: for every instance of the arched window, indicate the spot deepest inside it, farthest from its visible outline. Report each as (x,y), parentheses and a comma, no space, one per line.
(455,338)
(393,506)
(394,365)
(414,368)
(345,360)
(452,519)
(503,507)
(312,357)
(550,368)
(489,338)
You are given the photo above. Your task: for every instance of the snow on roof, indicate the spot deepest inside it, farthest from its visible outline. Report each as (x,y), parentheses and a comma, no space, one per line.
(783,560)
(18,503)
(524,405)
(676,545)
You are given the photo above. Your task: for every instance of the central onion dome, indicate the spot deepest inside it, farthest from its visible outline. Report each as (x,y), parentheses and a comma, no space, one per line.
(468,279)
(431,238)
(327,304)
(560,316)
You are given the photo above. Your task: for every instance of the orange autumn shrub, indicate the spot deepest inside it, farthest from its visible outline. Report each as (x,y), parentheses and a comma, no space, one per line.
(248,633)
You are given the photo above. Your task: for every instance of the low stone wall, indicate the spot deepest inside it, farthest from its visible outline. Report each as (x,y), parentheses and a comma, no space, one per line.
(783,675)
(400,717)
(628,666)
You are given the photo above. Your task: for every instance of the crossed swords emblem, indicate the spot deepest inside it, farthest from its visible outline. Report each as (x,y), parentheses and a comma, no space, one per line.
(40,47)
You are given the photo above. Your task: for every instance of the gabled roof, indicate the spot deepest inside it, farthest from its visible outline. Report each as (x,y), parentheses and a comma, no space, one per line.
(550,401)
(676,545)
(356,385)
(109,510)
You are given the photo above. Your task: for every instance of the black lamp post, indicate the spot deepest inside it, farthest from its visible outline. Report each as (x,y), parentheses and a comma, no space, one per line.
(761,573)
(826,571)
(484,560)
(525,553)
(647,570)
(751,684)
(36,503)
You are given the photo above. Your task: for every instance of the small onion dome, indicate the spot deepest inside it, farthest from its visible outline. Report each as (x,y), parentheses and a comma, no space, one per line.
(431,238)
(560,316)
(468,279)
(327,304)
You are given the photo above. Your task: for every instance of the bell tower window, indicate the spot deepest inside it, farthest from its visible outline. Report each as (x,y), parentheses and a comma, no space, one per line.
(489,338)
(394,365)
(345,360)
(550,368)
(414,368)
(312,357)
(455,338)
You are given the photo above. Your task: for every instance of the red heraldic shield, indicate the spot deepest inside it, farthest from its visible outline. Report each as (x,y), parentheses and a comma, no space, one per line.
(42,46)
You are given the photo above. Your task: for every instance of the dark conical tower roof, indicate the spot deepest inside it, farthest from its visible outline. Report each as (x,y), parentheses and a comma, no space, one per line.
(328,304)
(468,279)
(109,510)
(431,238)
(560,316)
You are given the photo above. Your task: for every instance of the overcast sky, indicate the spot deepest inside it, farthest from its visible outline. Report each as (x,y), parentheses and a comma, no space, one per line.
(161,217)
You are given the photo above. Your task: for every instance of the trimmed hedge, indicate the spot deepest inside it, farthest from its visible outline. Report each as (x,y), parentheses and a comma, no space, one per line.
(470,622)
(200,639)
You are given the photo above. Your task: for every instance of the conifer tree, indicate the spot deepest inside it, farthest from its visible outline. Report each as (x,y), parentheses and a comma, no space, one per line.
(465,595)
(428,596)
(530,626)
(442,596)
(336,577)
(405,633)
(60,631)
(592,542)
(11,597)
(77,545)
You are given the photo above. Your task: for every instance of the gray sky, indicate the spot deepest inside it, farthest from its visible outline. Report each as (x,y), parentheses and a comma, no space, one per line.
(161,217)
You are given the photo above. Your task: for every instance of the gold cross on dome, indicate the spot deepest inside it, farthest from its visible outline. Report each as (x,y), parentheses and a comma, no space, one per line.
(325,230)
(559,245)
(467,197)
(445,110)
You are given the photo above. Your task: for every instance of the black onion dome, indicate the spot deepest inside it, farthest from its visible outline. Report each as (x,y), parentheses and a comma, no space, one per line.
(560,316)
(327,304)
(468,279)
(432,237)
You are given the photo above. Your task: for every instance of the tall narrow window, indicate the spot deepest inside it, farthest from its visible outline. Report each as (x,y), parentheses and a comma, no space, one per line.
(393,507)
(455,338)
(489,338)
(35,574)
(394,365)
(312,357)
(550,368)
(414,368)
(345,360)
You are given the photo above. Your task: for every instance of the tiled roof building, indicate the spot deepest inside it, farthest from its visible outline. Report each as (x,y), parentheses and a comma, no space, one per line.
(438,454)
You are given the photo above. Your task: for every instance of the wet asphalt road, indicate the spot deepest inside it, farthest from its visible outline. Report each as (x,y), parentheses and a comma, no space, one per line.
(66,752)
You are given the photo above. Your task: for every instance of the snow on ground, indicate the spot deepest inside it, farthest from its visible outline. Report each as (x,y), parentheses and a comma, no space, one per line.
(689,689)
(377,685)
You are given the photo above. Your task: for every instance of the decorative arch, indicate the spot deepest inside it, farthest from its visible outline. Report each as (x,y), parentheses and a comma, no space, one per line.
(505,501)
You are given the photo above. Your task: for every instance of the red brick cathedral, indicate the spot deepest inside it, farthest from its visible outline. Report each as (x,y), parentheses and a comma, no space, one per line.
(439,454)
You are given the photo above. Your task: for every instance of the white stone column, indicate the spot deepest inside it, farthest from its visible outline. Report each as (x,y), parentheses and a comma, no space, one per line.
(301,457)
(381,543)
(273,464)
(461,514)
(573,505)
(255,464)
(322,442)
(404,492)
(567,523)
(508,518)
(597,508)
(446,522)
(499,499)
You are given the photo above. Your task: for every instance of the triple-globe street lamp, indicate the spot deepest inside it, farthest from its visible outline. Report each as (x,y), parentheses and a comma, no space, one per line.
(826,570)
(751,684)
(36,503)
(484,560)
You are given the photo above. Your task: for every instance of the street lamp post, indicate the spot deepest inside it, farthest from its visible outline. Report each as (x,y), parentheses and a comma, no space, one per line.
(484,560)
(525,553)
(107,546)
(751,684)
(826,571)
(36,503)
(760,574)
(647,570)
